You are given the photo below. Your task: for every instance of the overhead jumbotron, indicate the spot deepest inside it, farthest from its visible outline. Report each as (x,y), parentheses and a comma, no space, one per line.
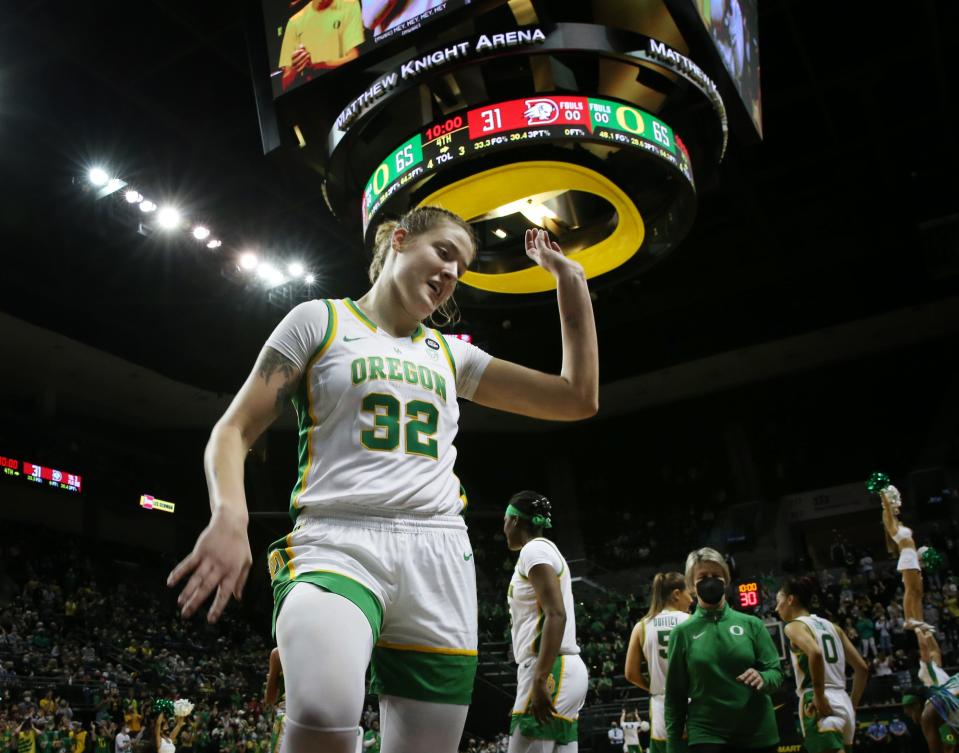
(595,123)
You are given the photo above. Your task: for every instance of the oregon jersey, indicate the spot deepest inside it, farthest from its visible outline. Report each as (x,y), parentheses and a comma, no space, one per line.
(833,655)
(656,644)
(526,617)
(377,414)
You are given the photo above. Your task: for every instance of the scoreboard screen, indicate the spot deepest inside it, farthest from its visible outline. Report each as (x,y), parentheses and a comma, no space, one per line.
(520,122)
(308,38)
(733,27)
(40,474)
(747,593)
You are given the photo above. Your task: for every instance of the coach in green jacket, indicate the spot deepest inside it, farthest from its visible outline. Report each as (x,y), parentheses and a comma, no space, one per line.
(725,664)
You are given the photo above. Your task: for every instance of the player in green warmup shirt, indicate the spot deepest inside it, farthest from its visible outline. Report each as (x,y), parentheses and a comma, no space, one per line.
(724,664)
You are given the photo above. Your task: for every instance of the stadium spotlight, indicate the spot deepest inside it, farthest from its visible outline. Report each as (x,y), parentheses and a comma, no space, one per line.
(295,269)
(201,233)
(168,218)
(248,261)
(270,275)
(147,206)
(309,279)
(98,176)
(214,243)
(133,197)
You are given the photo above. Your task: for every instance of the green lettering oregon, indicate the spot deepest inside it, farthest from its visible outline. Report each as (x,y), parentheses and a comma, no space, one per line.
(440,385)
(375,368)
(358,370)
(394,367)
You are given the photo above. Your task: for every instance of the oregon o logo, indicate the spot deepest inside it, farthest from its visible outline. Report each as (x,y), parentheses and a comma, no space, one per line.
(736,630)
(551,684)
(275,562)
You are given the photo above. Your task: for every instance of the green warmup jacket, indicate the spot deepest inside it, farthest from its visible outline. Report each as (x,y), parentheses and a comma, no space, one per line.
(706,655)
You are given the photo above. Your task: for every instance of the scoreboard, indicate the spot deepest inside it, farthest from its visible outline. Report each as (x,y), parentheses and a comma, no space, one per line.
(14,468)
(518,123)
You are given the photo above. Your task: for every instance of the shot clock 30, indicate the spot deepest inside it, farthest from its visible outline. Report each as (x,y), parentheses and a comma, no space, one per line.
(748,595)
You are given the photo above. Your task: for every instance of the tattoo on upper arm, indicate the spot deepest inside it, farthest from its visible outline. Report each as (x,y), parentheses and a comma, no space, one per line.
(273,362)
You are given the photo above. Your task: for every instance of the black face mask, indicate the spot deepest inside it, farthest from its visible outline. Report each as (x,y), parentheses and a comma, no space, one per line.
(711,590)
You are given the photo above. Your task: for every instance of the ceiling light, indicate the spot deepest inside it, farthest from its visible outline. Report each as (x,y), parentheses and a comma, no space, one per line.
(270,274)
(201,233)
(133,197)
(214,243)
(309,279)
(98,176)
(536,213)
(248,260)
(168,218)
(295,269)
(147,206)
(500,233)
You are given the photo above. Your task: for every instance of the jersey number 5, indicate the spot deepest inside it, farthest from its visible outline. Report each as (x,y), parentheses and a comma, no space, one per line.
(418,433)
(663,637)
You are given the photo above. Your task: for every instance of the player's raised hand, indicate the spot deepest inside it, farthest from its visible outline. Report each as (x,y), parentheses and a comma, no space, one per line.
(547,253)
(220,561)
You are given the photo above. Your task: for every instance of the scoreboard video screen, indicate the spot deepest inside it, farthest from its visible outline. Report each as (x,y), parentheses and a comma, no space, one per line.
(54,478)
(515,123)
(308,38)
(733,27)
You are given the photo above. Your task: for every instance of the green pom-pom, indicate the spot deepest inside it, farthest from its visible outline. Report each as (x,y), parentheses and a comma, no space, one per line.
(877,482)
(931,559)
(163,706)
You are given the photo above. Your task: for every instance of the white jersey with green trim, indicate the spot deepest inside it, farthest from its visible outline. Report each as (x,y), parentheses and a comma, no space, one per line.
(377,414)
(656,632)
(630,733)
(833,654)
(526,617)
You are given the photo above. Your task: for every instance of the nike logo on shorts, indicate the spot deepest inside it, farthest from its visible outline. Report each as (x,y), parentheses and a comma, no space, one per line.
(348,339)
(467,557)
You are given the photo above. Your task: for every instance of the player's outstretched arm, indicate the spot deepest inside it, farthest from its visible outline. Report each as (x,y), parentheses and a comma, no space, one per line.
(220,560)
(572,394)
(860,667)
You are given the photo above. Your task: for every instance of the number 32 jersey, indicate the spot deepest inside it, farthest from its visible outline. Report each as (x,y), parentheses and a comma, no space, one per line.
(376,414)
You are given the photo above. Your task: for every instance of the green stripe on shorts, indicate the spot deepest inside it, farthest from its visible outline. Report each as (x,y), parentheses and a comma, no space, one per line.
(423,676)
(335,583)
(813,740)
(560,730)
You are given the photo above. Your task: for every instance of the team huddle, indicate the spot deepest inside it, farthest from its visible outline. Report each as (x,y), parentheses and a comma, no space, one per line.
(377,570)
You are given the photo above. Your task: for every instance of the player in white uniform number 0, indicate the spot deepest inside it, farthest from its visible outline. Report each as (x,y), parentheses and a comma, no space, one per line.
(551,679)
(378,564)
(819,652)
(669,606)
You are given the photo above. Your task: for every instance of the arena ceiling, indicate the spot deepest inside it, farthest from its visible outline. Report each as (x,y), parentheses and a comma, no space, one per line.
(848,209)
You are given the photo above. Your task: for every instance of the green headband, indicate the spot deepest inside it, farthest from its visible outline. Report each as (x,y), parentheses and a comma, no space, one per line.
(537,520)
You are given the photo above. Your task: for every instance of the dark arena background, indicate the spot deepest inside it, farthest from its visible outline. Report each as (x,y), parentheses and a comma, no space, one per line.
(762,193)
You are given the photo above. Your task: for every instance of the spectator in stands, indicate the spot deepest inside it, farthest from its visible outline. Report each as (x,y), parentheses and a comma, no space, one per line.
(867,635)
(616,736)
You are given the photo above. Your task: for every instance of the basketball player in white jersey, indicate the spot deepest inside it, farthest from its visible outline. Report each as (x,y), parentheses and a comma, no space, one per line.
(669,606)
(819,652)
(378,563)
(551,679)
(632,725)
